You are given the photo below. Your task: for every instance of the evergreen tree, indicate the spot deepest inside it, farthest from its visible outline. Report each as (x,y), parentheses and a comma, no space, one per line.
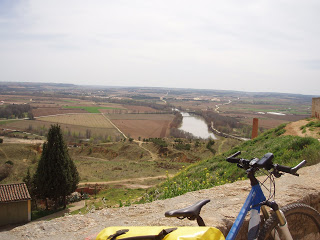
(28,181)
(56,175)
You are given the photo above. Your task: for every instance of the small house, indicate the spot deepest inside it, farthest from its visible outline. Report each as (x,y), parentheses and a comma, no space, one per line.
(15,204)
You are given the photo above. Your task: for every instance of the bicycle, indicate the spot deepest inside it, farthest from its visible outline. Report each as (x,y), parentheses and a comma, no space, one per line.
(293,222)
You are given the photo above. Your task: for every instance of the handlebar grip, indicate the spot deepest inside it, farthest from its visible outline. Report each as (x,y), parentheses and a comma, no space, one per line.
(233,160)
(296,168)
(233,156)
(283,168)
(293,170)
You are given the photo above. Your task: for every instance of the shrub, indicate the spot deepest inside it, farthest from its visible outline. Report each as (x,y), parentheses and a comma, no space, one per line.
(160,142)
(74,197)
(5,171)
(9,162)
(181,146)
(280,130)
(301,143)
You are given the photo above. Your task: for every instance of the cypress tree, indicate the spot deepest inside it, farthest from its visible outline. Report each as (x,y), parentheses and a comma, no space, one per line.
(56,176)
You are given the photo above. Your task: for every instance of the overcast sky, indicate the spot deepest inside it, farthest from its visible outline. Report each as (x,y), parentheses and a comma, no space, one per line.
(246,45)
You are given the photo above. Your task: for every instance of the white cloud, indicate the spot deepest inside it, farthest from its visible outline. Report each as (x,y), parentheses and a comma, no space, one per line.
(240,45)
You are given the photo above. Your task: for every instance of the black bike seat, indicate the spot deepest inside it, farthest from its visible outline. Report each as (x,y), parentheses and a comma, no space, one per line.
(189,212)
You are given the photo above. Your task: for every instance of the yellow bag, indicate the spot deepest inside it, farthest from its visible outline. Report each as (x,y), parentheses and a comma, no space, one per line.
(160,233)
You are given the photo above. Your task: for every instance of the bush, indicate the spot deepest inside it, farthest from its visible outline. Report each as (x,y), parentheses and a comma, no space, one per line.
(74,197)
(181,146)
(1,140)
(280,130)
(301,143)
(160,142)
(85,196)
(209,146)
(9,162)
(5,171)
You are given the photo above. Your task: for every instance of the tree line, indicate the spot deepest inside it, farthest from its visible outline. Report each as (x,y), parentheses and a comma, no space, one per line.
(150,104)
(16,111)
(225,124)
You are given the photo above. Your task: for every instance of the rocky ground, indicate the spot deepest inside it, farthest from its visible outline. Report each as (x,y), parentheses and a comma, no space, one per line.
(226,202)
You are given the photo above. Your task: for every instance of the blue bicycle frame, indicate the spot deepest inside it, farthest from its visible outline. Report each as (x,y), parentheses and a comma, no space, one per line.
(255,197)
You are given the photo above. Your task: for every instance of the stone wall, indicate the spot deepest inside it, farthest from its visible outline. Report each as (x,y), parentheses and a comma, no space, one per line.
(316,108)
(221,211)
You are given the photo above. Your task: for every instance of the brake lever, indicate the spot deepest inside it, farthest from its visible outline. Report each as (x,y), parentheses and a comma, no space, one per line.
(239,165)
(276,173)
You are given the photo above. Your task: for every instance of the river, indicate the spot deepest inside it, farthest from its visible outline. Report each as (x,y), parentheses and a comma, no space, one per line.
(196,125)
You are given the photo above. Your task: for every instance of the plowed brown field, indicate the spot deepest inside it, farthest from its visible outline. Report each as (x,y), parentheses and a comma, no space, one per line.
(143,125)
(55,110)
(88,120)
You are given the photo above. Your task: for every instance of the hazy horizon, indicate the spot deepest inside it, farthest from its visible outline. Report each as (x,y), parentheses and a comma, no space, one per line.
(95,87)
(251,46)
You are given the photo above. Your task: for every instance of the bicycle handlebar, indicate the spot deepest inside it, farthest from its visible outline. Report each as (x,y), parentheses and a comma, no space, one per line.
(232,158)
(290,170)
(265,162)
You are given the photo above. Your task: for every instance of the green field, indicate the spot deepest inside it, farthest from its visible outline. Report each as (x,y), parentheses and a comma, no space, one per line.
(3,122)
(91,109)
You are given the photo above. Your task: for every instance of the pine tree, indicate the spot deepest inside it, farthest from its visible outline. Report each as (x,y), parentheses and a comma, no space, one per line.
(56,176)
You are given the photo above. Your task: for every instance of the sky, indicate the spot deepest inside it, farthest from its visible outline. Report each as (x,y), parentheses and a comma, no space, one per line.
(247,45)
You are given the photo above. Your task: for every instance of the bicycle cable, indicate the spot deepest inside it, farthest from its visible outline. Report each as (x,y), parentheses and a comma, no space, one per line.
(272,184)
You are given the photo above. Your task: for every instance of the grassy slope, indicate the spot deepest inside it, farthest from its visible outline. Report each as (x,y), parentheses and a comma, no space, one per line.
(288,150)
(23,156)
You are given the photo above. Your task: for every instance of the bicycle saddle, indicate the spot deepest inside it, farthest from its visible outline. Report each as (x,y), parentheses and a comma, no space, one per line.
(191,212)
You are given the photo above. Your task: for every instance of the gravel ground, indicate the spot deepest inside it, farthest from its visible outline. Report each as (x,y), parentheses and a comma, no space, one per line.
(226,202)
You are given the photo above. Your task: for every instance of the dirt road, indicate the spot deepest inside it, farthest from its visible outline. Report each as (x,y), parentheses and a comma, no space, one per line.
(129,183)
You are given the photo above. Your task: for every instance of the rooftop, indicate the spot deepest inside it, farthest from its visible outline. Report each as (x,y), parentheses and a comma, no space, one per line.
(14,192)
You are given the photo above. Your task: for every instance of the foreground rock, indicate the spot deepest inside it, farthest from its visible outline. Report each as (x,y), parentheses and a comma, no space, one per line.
(226,202)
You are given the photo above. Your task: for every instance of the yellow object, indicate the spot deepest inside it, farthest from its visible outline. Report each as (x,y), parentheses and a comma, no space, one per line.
(160,233)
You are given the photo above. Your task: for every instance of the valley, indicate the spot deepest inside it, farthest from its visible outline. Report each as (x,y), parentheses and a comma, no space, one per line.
(128,139)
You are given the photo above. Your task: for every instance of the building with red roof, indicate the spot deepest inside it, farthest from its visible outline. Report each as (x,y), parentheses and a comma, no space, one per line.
(15,204)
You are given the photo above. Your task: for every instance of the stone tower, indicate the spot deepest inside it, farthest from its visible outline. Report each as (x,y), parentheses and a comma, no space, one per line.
(315,107)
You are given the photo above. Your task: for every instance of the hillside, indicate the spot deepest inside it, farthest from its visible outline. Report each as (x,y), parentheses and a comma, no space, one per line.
(287,149)
(304,128)
(195,179)
(111,161)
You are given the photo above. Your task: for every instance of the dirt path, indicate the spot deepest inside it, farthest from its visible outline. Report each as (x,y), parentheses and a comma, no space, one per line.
(293,129)
(95,158)
(130,183)
(220,147)
(114,126)
(21,140)
(75,206)
(154,156)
